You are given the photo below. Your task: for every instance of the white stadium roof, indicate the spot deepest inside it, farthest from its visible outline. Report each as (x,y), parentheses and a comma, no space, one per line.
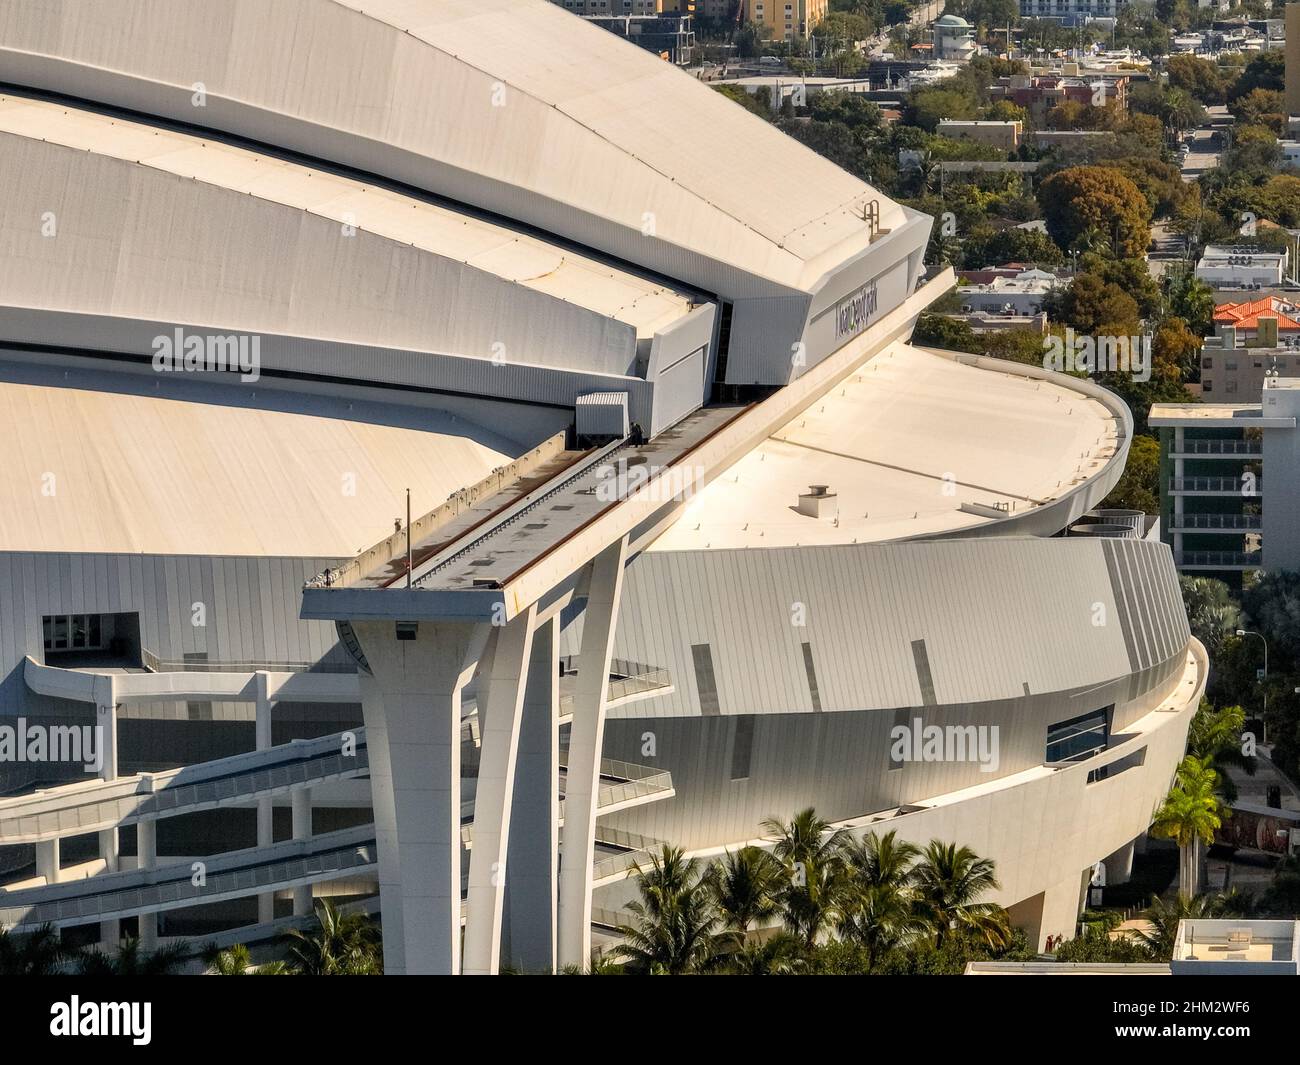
(102,471)
(903,443)
(517,104)
(515,257)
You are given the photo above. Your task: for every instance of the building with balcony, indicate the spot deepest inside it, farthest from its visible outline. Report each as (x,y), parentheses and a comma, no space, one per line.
(1216,460)
(953,38)
(495,477)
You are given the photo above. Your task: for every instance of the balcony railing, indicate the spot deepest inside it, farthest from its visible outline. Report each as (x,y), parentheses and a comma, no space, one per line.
(154,664)
(1226,485)
(1219,559)
(1218,521)
(1246,448)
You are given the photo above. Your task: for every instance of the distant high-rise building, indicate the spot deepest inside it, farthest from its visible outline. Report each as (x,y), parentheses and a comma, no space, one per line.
(1293,59)
(787,19)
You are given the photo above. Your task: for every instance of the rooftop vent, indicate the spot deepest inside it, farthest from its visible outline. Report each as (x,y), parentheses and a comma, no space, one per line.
(818,502)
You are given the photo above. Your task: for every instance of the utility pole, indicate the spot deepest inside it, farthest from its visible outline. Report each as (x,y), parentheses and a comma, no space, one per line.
(408,538)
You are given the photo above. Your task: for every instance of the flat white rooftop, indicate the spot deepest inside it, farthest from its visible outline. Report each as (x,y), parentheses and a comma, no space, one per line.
(512,255)
(103,471)
(903,444)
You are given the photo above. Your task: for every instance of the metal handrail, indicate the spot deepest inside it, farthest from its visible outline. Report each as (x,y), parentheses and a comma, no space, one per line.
(1218,521)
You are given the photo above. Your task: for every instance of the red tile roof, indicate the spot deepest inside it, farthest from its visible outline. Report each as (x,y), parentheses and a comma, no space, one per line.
(1246,315)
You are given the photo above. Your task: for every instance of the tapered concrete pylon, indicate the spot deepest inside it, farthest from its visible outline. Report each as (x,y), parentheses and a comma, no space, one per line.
(587,736)
(412,706)
(502,681)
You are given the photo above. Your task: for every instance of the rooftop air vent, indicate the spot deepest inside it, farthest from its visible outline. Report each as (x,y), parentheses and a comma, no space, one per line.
(818,502)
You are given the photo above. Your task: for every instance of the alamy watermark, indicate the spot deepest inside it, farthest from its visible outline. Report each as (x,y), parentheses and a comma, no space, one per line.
(182,352)
(919,742)
(43,744)
(1083,353)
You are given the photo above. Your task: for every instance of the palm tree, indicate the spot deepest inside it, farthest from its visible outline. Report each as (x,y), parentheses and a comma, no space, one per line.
(1211,612)
(815,873)
(745,886)
(950,881)
(674,931)
(130,960)
(779,955)
(37,953)
(344,944)
(1164,918)
(236,961)
(1190,814)
(880,913)
(1215,737)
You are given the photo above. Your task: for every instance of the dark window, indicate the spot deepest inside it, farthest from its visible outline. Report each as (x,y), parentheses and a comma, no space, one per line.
(197,711)
(742,747)
(724,345)
(810,669)
(705,683)
(1080,737)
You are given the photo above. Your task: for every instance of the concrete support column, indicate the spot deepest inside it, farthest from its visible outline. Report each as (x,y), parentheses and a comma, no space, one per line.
(106,737)
(300,798)
(412,706)
(265,806)
(533,854)
(47,860)
(586,738)
(500,704)
(146,849)
(1059,914)
(1119,866)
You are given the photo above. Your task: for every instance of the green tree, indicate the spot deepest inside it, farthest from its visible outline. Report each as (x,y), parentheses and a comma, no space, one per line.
(1190,814)
(342,944)
(130,960)
(675,918)
(1138,487)
(1164,917)
(950,882)
(1212,613)
(1096,307)
(1197,76)
(236,961)
(1083,197)
(1214,737)
(745,885)
(778,955)
(880,912)
(37,953)
(813,863)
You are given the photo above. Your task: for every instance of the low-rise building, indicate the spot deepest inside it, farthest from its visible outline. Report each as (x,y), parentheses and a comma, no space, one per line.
(670,35)
(1020,295)
(954,38)
(1242,267)
(1005,135)
(1038,94)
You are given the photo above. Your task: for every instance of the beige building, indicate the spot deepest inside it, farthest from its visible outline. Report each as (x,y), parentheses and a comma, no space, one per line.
(1004,135)
(787,19)
(628,7)
(1293,59)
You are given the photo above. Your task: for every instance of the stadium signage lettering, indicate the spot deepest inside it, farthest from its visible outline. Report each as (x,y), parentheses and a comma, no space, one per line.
(854,311)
